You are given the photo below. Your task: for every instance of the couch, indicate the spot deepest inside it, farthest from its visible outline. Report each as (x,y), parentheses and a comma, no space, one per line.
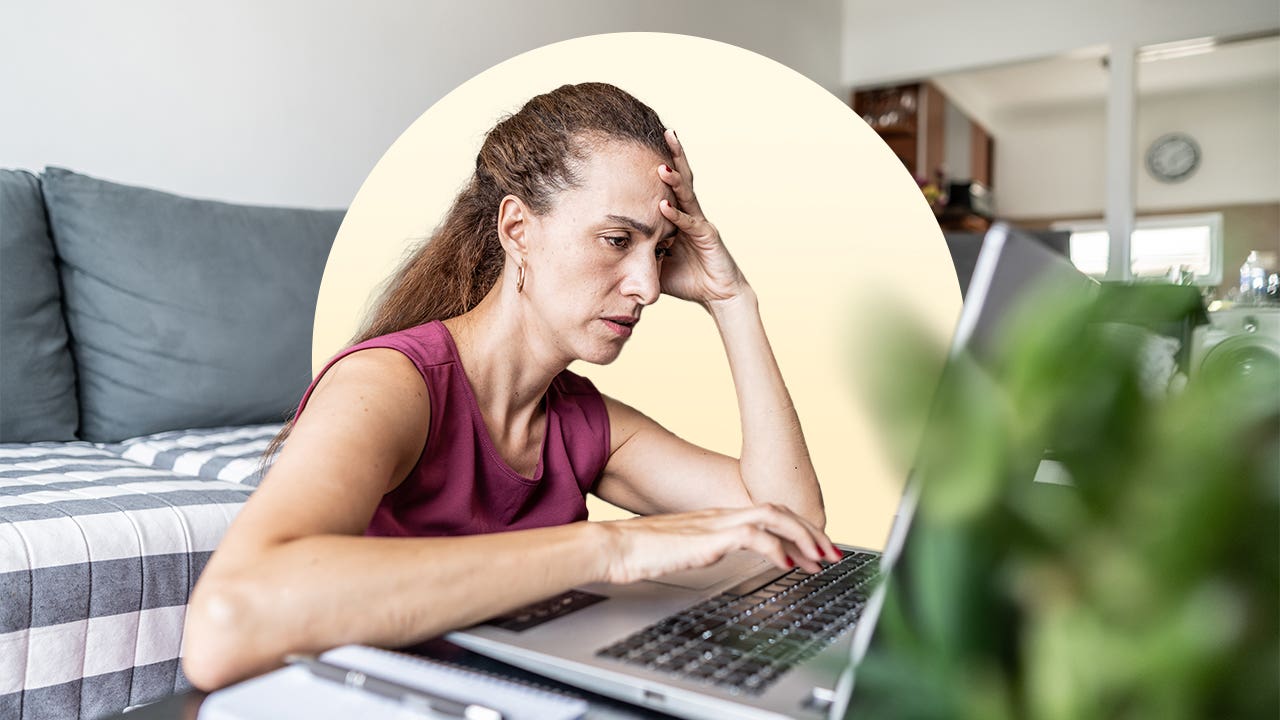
(150,347)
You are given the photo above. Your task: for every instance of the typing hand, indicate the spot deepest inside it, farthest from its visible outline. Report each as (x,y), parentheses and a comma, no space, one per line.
(647,547)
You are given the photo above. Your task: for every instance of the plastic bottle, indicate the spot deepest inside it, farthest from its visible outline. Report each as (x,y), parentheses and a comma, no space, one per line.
(1258,281)
(1249,294)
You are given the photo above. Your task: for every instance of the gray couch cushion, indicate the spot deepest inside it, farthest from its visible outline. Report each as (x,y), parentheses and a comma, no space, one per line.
(37,377)
(184,313)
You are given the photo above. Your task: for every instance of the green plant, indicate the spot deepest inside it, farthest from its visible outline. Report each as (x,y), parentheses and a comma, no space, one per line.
(1150,588)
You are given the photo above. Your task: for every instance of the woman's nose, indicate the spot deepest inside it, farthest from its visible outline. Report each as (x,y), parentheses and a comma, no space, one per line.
(643,280)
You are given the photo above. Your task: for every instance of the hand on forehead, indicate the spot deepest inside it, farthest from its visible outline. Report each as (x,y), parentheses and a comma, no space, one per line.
(619,182)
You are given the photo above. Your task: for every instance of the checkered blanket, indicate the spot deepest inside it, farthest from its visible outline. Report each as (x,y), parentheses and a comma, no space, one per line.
(100,546)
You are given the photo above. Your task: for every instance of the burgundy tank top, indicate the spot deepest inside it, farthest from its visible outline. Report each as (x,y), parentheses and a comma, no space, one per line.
(460,485)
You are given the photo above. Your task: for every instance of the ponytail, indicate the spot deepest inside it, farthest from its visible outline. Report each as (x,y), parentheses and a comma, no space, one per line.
(532,155)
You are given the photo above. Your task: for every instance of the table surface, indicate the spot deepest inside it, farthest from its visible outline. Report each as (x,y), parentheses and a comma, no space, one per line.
(186,706)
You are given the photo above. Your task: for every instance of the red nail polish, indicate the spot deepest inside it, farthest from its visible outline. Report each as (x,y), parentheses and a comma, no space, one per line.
(790,563)
(664,167)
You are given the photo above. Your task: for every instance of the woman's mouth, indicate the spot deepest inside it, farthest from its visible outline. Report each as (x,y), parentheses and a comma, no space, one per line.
(621,325)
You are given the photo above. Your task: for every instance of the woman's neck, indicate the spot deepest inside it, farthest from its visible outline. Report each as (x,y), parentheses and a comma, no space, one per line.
(507,364)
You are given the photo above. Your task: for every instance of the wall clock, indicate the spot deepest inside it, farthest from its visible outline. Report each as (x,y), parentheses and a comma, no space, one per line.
(1173,157)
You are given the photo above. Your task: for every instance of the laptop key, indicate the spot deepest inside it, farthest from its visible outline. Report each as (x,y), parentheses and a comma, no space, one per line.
(744,642)
(723,633)
(704,626)
(709,670)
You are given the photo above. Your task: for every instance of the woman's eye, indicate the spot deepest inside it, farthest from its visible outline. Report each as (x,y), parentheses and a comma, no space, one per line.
(662,252)
(618,241)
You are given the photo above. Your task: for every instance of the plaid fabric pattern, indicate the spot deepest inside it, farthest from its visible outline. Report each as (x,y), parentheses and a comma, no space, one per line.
(232,454)
(100,546)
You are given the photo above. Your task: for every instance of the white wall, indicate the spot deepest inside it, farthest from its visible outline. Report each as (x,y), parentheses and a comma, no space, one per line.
(1049,160)
(891,41)
(1238,130)
(292,102)
(1041,171)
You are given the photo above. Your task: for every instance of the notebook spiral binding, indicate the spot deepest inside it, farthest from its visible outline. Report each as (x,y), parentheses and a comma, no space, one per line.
(479,674)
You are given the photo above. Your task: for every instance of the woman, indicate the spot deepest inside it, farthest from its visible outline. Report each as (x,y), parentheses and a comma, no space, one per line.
(435,472)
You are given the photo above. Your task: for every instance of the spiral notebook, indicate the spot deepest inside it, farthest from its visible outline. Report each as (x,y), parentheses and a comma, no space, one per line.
(293,692)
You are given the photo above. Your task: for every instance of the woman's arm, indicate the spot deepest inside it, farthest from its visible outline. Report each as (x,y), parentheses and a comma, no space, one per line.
(774,466)
(295,574)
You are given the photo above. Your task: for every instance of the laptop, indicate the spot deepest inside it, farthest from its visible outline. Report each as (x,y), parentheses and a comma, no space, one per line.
(742,638)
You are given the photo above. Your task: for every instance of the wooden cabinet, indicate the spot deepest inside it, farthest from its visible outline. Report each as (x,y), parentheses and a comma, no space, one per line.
(981,153)
(893,112)
(912,120)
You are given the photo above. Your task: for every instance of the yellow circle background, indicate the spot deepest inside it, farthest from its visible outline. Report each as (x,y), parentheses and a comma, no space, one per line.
(826,223)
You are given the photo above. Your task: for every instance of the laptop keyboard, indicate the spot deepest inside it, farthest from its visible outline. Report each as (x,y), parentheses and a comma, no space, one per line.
(746,638)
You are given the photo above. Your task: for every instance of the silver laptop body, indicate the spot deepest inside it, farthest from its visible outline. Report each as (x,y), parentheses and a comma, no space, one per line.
(563,638)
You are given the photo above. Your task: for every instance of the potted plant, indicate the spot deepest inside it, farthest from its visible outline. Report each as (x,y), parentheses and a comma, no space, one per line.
(1148,588)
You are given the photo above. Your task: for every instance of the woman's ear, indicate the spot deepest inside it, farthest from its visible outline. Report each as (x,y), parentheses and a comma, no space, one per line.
(513,223)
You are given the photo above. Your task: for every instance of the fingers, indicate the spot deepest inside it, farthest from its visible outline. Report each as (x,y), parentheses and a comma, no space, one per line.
(808,544)
(682,186)
(792,527)
(695,228)
(680,176)
(752,537)
(797,556)
(784,553)
(683,220)
(828,548)
(679,159)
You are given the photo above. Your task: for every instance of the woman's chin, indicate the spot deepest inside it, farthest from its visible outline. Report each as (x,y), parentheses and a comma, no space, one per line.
(602,354)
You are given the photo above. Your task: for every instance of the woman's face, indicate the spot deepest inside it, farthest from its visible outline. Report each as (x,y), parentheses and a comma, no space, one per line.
(594,261)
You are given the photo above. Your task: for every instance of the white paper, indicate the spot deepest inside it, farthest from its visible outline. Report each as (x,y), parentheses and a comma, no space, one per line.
(293,692)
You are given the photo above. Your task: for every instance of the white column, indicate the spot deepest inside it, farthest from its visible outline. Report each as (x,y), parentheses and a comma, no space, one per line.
(1121,101)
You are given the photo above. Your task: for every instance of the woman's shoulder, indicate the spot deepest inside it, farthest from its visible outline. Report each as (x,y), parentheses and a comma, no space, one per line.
(426,345)
(376,375)
(381,366)
(398,357)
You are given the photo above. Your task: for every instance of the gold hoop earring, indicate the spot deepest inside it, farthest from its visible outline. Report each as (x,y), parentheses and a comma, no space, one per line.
(520,279)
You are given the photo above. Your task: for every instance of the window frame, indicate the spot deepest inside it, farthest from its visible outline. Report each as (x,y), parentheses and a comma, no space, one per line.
(1157,222)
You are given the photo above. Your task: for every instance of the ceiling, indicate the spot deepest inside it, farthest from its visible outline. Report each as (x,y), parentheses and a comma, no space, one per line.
(1082,78)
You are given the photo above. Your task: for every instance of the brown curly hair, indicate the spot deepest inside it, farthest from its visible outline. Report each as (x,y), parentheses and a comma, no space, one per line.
(533,155)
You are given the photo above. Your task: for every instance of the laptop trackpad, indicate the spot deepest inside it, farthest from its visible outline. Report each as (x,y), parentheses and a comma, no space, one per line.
(737,564)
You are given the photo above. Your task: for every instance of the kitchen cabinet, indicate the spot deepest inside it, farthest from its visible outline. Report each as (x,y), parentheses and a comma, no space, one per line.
(933,138)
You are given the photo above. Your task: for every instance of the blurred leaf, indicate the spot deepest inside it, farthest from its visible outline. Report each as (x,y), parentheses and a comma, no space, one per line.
(1148,589)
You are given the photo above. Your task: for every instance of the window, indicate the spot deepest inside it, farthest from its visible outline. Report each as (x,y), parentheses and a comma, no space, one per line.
(1159,246)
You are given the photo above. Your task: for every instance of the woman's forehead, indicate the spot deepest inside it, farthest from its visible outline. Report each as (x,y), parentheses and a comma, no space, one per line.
(621,172)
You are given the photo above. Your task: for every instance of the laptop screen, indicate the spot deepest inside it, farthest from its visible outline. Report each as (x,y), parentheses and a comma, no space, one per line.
(1010,267)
